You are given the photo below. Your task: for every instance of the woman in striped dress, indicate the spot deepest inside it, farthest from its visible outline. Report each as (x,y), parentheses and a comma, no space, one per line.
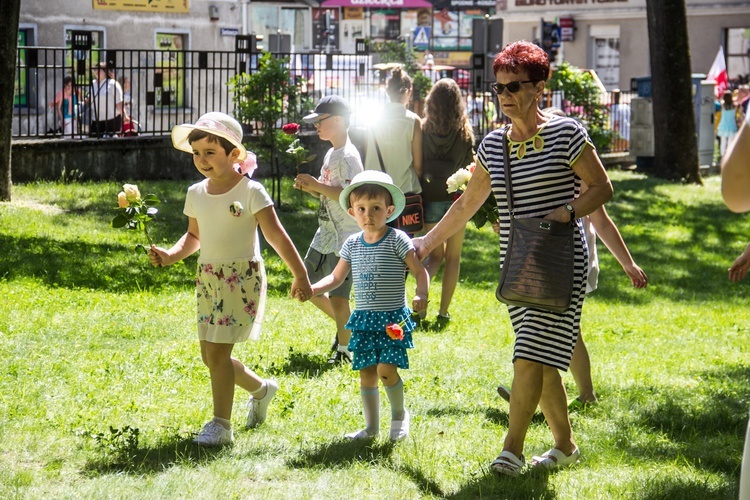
(549,157)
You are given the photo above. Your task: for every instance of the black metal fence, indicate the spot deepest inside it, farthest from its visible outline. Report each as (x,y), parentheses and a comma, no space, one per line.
(162,88)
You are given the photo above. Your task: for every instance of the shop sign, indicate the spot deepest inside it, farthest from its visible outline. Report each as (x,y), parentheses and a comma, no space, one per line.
(170,6)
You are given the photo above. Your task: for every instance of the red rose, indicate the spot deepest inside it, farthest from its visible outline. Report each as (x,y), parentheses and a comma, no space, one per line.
(290,128)
(395,331)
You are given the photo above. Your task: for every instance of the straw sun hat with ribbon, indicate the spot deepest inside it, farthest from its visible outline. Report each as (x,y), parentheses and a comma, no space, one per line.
(220,125)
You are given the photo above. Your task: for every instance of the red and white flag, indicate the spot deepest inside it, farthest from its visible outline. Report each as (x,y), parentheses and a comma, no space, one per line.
(718,73)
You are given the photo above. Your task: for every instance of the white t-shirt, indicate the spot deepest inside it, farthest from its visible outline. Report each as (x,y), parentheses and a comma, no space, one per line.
(105,96)
(334,224)
(227,234)
(394,132)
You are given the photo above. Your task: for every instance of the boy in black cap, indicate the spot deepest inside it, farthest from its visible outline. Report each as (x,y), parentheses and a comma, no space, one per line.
(341,164)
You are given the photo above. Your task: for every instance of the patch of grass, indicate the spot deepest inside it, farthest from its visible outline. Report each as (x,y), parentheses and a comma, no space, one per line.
(103,387)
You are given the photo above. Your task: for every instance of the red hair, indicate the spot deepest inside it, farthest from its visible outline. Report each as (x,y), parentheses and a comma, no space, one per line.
(519,56)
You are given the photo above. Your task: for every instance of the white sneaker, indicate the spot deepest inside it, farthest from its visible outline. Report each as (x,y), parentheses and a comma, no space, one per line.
(400,428)
(214,434)
(257,408)
(363,434)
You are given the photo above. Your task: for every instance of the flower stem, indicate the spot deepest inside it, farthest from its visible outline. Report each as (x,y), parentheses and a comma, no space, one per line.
(150,241)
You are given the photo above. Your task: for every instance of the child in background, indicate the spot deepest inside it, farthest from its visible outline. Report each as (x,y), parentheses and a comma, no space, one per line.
(66,107)
(341,164)
(224,211)
(381,322)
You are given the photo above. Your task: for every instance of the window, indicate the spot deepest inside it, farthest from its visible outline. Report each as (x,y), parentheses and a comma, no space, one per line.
(169,77)
(605,54)
(738,53)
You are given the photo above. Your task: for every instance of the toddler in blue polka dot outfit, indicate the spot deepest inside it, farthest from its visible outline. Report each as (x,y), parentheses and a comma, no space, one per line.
(381,322)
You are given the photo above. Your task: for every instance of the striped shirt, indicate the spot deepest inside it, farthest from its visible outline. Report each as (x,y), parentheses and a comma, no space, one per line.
(378,270)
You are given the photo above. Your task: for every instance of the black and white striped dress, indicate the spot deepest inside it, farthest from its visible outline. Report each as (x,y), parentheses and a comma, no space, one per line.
(543,180)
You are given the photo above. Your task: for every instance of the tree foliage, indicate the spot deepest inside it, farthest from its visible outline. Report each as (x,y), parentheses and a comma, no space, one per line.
(395,52)
(265,98)
(582,96)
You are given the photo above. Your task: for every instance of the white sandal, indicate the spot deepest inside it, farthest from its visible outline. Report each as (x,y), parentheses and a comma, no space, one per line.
(507,464)
(554,459)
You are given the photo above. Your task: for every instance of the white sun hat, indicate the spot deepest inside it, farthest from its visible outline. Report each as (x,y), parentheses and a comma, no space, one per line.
(381,179)
(218,124)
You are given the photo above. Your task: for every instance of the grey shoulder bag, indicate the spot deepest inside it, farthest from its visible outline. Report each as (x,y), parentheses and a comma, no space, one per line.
(538,269)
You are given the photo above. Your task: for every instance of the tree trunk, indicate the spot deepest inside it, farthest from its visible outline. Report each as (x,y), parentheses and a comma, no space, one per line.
(675,139)
(9,13)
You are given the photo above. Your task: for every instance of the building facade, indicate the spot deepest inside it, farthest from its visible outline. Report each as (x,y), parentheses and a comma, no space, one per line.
(611,36)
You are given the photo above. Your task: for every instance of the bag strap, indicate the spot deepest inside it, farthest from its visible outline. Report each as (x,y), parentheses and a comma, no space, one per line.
(506,169)
(380,156)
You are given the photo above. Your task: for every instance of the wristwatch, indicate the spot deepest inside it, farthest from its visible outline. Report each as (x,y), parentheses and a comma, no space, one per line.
(571,211)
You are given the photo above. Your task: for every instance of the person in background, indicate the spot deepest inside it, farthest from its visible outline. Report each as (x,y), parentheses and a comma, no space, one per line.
(620,121)
(106,100)
(224,211)
(66,108)
(398,135)
(342,162)
(728,123)
(447,145)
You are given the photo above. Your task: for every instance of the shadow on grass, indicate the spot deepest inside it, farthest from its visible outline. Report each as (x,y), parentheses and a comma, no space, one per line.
(704,425)
(530,484)
(303,364)
(342,453)
(683,488)
(172,452)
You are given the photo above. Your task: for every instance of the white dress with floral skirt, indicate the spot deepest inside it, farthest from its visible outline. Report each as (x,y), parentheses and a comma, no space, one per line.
(231,282)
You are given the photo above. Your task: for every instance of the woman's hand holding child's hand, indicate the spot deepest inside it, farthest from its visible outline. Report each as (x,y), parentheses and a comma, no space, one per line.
(301,289)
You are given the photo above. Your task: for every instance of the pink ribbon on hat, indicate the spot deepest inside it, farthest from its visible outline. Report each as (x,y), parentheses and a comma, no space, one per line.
(217,125)
(244,167)
(248,165)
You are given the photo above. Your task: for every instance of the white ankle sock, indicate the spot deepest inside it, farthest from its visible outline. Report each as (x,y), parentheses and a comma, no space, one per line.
(226,423)
(343,348)
(260,390)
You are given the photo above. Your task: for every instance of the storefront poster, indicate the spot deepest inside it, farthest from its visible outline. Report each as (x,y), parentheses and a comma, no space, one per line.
(172,90)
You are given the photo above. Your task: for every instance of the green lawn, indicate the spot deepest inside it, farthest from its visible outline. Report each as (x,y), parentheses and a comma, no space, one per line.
(102,384)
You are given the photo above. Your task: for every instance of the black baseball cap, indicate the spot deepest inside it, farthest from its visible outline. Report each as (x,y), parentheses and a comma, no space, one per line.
(329,105)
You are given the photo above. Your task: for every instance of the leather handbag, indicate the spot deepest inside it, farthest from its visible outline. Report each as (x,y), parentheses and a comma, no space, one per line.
(411,219)
(538,270)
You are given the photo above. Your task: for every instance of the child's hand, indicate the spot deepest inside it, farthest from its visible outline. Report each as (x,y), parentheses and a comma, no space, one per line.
(301,289)
(158,256)
(496,227)
(419,303)
(305,182)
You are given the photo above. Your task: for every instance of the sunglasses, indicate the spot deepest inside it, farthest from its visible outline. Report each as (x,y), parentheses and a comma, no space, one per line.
(512,87)
(317,123)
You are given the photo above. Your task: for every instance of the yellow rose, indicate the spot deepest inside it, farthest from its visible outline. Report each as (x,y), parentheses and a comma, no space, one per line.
(122,200)
(131,193)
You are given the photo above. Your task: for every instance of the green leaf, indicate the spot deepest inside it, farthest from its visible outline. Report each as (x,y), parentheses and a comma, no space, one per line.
(119,221)
(151,200)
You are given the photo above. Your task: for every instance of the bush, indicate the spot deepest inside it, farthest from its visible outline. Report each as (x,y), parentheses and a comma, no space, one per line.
(582,100)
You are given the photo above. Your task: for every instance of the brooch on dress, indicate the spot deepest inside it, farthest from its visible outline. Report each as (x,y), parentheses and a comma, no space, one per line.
(236,209)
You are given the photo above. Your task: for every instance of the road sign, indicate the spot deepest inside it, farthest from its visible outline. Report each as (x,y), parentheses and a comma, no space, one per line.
(422,37)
